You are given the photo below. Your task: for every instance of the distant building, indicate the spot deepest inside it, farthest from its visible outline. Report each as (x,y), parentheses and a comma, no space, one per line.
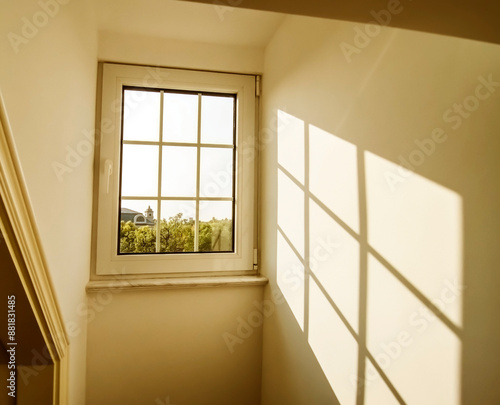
(146,219)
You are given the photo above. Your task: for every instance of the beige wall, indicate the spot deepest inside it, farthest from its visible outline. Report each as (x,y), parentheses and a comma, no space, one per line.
(161,347)
(152,51)
(48,82)
(402,262)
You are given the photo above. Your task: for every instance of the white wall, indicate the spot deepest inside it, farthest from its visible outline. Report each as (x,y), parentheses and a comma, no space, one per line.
(360,248)
(48,81)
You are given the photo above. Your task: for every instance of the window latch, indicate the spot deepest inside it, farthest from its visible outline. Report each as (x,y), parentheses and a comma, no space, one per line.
(108,171)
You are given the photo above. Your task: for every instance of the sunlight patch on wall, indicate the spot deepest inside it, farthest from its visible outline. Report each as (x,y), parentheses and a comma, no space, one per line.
(290,278)
(291,211)
(413,251)
(334,259)
(419,354)
(376,390)
(417,228)
(333,345)
(291,145)
(334,175)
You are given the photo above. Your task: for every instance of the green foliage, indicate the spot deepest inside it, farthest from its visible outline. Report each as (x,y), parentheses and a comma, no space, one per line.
(177,235)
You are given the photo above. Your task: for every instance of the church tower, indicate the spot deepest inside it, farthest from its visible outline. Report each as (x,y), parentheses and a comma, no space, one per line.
(149,214)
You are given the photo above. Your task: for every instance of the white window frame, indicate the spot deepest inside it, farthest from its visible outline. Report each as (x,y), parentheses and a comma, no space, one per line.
(108,261)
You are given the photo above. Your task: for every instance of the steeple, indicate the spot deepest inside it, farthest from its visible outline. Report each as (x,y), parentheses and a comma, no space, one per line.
(149,213)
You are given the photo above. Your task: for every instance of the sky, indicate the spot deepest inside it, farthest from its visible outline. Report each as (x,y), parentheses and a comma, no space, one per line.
(180,124)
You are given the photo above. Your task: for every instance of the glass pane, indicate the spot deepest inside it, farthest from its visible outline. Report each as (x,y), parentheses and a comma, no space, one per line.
(177,226)
(216,172)
(140,170)
(178,177)
(180,117)
(141,115)
(217,119)
(137,226)
(216,226)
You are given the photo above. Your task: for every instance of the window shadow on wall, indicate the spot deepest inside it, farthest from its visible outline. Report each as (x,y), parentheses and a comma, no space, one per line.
(372,274)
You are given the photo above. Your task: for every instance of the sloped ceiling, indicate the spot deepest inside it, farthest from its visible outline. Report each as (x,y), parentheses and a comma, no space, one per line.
(187,21)
(471,19)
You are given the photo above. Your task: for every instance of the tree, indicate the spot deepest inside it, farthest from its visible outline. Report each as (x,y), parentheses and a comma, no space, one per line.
(177,235)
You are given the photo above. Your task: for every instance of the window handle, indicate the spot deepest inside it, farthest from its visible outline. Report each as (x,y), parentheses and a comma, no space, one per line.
(108,171)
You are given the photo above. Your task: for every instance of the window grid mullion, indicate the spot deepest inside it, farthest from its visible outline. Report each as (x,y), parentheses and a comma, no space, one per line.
(187,144)
(131,197)
(198,169)
(160,158)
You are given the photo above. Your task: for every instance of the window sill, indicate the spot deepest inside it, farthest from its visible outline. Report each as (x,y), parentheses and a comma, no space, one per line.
(175,283)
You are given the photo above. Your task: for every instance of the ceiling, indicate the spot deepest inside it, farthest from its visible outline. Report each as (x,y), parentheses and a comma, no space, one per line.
(244,25)
(473,19)
(188,21)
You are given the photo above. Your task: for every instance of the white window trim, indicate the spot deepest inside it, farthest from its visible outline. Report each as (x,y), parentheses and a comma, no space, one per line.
(108,261)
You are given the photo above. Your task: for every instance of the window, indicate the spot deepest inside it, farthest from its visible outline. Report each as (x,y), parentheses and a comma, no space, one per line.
(177,155)
(176,181)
